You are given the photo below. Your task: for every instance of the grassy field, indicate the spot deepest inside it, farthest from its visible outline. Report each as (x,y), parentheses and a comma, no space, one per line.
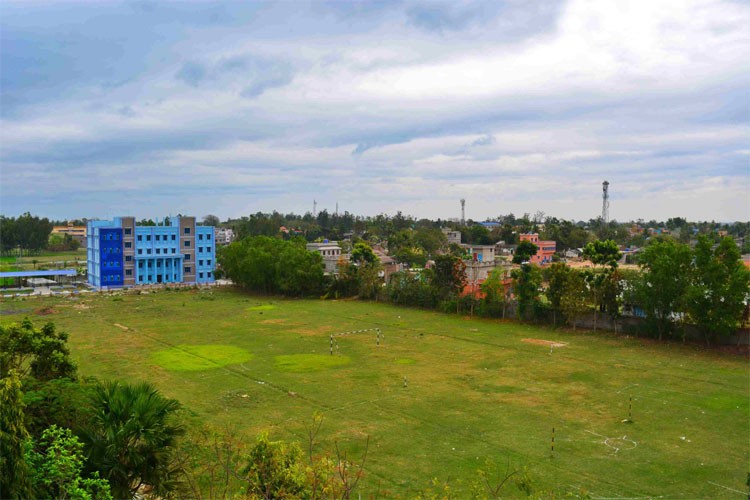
(439,397)
(47,260)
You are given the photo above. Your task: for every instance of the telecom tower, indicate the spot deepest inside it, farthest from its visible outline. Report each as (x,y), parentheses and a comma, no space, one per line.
(605,202)
(315,208)
(463,212)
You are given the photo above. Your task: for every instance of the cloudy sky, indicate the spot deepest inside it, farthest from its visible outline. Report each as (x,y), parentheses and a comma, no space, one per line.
(157,108)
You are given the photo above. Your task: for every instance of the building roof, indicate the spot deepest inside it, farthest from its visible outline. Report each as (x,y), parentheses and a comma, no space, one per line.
(38,274)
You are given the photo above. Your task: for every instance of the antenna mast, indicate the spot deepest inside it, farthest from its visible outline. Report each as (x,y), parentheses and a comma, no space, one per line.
(315,208)
(463,212)
(605,203)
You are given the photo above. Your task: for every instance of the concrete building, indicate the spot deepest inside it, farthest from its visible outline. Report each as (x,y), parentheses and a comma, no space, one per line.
(78,233)
(331,253)
(453,236)
(121,253)
(224,235)
(545,249)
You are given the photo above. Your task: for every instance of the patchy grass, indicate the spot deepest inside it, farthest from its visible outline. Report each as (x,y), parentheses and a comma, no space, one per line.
(263,307)
(474,390)
(309,362)
(200,357)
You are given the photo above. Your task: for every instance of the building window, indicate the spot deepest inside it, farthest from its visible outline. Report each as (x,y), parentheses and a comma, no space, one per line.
(128,258)
(200,275)
(140,237)
(174,250)
(157,237)
(148,237)
(187,230)
(187,243)
(140,265)
(200,262)
(208,262)
(200,236)
(200,249)
(128,272)
(140,251)
(208,249)
(208,274)
(128,244)
(187,269)
(128,231)
(187,256)
(208,236)
(174,237)
(148,251)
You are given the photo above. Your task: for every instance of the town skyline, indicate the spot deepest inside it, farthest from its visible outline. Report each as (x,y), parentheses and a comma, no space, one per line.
(230,109)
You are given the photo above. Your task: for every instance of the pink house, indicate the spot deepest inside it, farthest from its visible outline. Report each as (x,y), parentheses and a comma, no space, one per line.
(545,249)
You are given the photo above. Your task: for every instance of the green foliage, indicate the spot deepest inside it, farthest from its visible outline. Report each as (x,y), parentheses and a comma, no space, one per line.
(526,283)
(665,278)
(477,235)
(42,353)
(524,251)
(56,460)
(496,294)
(449,278)
(61,402)
(275,470)
(556,276)
(574,297)
(413,290)
(602,252)
(272,265)
(130,437)
(27,233)
(362,253)
(719,291)
(14,471)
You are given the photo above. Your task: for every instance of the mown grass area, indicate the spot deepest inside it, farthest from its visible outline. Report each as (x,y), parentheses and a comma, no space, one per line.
(439,397)
(47,260)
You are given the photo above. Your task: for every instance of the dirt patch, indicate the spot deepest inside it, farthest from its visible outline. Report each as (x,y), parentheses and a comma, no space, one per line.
(44,311)
(122,327)
(273,322)
(312,331)
(549,343)
(80,306)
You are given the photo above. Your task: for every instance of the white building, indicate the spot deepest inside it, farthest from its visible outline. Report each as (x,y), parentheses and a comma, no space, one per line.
(331,253)
(224,235)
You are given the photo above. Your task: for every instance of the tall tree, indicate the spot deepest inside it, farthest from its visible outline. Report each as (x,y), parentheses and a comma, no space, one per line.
(527,281)
(556,275)
(574,298)
(719,290)
(131,436)
(665,278)
(14,471)
(524,251)
(450,276)
(603,253)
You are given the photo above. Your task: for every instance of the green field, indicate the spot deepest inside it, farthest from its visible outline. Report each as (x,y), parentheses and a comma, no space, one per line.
(438,398)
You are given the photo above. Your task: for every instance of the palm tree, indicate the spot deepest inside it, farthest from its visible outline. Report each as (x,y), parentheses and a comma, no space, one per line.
(131,437)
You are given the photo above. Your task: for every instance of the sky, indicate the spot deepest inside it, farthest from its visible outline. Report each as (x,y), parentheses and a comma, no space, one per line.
(521,106)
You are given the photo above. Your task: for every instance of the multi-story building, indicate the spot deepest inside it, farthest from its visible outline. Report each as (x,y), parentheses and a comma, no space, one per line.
(224,235)
(121,253)
(331,253)
(545,249)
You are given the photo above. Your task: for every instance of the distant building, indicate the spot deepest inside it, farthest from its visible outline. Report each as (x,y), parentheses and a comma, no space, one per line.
(545,249)
(121,253)
(224,235)
(453,236)
(78,233)
(331,253)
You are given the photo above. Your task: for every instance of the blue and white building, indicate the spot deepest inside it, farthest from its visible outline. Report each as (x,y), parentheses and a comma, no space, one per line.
(121,253)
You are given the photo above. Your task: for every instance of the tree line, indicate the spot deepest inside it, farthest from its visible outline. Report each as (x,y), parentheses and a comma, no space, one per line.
(675,285)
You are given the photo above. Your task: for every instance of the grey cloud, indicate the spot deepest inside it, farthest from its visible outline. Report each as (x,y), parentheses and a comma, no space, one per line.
(192,73)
